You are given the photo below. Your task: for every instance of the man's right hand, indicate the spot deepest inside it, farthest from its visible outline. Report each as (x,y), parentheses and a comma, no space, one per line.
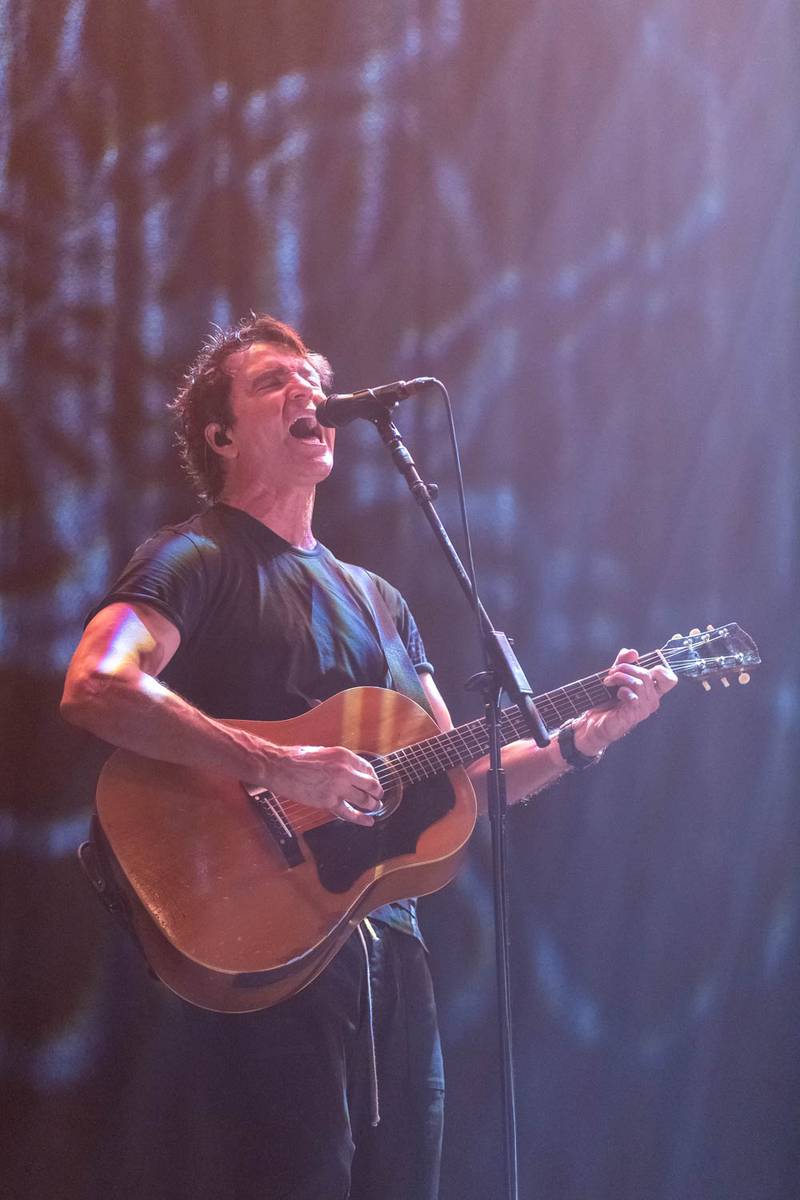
(327,777)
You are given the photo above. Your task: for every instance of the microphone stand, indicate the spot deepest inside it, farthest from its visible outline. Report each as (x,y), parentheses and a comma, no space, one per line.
(502,673)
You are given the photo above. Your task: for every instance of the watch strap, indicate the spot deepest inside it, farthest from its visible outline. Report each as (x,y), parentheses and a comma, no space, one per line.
(575,759)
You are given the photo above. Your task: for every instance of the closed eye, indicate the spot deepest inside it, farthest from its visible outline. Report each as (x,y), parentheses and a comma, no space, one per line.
(266,383)
(273,380)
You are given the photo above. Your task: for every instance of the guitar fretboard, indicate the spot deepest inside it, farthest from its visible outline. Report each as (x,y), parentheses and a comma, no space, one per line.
(463,745)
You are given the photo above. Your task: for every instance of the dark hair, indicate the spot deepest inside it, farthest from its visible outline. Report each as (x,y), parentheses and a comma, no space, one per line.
(205,394)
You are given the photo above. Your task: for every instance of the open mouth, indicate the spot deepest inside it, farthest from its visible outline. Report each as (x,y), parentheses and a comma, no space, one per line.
(306,429)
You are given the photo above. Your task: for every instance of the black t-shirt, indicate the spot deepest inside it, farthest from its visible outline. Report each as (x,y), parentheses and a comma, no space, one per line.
(267,630)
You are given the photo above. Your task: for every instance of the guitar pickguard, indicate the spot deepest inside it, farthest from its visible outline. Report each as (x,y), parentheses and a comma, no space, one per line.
(343,851)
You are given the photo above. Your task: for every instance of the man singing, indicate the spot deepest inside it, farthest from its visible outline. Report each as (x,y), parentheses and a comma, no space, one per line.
(240,612)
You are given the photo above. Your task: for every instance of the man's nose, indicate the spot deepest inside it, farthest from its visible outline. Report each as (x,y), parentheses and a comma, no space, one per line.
(300,386)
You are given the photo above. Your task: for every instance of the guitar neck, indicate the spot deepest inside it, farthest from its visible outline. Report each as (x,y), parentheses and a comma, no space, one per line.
(725,650)
(466,743)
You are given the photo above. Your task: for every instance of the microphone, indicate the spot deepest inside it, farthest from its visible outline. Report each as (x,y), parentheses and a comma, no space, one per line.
(369,403)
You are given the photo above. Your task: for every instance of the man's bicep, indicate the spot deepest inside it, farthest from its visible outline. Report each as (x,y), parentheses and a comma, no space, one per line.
(121,634)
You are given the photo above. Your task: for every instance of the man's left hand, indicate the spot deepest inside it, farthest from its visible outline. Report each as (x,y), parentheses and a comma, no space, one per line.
(639,693)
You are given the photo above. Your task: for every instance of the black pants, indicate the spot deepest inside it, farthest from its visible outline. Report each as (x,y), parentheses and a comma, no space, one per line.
(286,1092)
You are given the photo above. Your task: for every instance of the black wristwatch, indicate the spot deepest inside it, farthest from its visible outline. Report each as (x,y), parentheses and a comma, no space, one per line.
(575,760)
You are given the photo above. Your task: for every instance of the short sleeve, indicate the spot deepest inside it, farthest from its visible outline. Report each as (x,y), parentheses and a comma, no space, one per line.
(168,572)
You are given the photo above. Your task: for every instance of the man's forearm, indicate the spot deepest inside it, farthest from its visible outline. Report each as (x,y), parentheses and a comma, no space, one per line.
(527,767)
(137,712)
(132,709)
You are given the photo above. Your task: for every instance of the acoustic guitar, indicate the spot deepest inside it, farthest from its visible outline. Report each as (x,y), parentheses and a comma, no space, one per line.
(239,897)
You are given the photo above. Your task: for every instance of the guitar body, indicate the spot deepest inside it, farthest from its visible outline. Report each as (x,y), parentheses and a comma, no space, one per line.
(230,914)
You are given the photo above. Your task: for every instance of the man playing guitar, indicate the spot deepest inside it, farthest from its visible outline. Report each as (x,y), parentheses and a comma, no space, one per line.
(240,613)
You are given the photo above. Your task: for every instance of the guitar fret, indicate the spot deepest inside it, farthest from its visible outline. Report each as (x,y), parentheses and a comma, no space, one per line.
(408,768)
(588,695)
(467,739)
(548,708)
(575,710)
(416,768)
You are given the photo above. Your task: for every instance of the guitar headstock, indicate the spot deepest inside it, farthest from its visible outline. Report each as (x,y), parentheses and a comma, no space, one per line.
(722,650)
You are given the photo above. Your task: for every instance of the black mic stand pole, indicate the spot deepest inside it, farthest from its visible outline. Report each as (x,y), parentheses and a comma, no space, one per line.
(502,673)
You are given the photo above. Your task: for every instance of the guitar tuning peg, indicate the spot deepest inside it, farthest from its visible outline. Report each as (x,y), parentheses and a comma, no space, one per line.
(744,677)
(710,628)
(725,681)
(694,633)
(706,685)
(676,637)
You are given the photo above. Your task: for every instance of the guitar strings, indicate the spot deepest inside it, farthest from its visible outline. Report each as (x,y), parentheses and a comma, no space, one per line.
(441,751)
(423,754)
(392,770)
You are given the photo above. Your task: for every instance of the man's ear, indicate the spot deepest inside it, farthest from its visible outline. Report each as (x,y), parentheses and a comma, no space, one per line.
(218,439)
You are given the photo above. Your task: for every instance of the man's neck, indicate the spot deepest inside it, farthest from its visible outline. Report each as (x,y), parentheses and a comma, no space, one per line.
(288,514)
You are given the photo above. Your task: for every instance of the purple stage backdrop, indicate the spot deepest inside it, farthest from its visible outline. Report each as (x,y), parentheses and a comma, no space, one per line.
(584,218)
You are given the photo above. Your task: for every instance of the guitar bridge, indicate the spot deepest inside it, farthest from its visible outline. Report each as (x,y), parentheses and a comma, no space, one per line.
(268,807)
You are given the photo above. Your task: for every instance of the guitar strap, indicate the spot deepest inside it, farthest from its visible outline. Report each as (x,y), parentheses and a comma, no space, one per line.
(401,669)
(97,864)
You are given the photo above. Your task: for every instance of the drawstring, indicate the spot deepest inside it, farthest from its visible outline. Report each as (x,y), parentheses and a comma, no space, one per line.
(375,1112)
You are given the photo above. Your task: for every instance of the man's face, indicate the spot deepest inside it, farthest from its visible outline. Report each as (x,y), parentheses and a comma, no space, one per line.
(275,434)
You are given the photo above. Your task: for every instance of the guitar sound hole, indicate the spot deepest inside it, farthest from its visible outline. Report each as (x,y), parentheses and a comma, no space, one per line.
(392,786)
